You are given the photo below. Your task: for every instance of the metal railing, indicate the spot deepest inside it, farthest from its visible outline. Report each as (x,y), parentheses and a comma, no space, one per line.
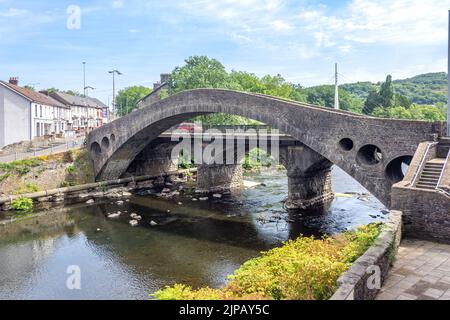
(442,175)
(422,163)
(42,150)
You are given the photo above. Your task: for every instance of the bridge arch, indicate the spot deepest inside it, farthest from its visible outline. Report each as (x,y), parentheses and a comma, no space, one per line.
(321,129)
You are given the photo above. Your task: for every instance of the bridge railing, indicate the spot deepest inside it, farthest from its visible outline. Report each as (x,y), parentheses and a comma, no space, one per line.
(422,163)
(438,188)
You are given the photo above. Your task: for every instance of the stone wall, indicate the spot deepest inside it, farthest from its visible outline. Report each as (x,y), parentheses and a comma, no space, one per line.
(219,178)
(356,283)
(426,213)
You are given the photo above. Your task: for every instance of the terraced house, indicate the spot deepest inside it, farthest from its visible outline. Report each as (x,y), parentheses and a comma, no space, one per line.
(86,113)
(26,114)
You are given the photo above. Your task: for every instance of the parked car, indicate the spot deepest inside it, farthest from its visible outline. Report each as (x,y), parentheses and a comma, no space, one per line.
(189,127)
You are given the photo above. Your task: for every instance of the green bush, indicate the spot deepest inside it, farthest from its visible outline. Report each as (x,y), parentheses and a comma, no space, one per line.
(21,167)
(22,204)
(28,188)
(302,269)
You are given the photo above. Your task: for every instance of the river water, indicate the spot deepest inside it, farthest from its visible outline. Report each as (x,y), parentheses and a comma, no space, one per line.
(197,243)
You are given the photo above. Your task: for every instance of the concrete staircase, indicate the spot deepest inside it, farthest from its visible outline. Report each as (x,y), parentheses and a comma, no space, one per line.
(429,178)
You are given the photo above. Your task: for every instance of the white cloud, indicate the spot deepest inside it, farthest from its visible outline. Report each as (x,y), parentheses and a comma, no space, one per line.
(414,22)
(13,12)
(117,4)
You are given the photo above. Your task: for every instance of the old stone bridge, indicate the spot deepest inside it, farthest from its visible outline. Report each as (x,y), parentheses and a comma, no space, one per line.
(371,150)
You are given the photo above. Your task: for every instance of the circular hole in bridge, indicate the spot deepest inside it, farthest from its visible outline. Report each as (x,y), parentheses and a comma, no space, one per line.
(105,143)
(397,168)
(370,155)
(346,144)
(113,138)
(96,149)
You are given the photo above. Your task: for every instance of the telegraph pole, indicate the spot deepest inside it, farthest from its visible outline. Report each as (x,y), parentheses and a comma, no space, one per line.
(113,72)
(336,84)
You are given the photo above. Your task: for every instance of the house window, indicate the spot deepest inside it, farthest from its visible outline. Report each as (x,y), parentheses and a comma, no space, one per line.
(35,110)
(40,111)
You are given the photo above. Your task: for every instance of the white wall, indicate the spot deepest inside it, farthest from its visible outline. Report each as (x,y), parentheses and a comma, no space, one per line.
(15,119)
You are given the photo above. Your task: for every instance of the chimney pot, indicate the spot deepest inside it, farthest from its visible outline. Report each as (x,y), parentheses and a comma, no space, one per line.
(14,81)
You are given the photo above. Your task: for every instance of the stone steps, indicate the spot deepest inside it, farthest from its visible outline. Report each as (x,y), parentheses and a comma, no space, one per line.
(429,178)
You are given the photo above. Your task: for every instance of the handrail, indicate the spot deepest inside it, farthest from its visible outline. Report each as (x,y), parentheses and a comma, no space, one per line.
(442,175)
(422,162)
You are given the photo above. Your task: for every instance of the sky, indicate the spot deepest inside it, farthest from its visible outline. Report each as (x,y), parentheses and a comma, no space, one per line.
(44,42)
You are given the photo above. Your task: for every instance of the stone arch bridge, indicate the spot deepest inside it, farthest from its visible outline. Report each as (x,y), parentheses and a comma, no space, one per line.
(371,150)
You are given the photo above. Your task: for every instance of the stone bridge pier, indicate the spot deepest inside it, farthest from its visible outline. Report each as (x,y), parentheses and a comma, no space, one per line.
(309,177)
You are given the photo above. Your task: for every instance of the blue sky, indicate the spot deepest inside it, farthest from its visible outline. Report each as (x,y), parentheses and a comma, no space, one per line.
(298,39)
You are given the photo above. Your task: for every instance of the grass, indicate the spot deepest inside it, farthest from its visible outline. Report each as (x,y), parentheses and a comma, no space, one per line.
(27,188)
(302,269)
(20,167)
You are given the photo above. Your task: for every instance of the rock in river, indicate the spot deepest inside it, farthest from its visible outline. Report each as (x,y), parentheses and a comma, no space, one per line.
(134,223)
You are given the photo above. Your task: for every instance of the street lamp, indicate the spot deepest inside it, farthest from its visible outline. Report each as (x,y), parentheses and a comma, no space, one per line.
(86,90)
(84,78)
(113,72)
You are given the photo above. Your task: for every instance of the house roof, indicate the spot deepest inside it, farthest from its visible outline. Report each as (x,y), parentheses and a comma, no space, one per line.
(77,100)
(33,95)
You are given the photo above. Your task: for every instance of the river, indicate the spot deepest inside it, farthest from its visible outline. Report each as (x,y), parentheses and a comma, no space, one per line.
(197,243)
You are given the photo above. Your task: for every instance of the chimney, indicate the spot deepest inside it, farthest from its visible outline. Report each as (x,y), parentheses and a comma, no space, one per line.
(14,81)
(165,77)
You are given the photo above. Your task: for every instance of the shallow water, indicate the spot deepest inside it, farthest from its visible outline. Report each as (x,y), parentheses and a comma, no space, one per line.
(197,243)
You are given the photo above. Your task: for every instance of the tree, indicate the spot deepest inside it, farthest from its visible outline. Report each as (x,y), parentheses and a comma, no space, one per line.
(127,98)
(71,92)
(200,72)
(387,96)
(324,96)
(373,101)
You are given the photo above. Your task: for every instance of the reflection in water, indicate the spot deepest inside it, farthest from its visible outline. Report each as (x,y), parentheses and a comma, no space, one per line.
(197,243)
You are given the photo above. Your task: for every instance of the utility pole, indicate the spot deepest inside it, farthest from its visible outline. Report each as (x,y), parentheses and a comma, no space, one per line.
(84,78)
(448,76)
(336,84)
(113,72)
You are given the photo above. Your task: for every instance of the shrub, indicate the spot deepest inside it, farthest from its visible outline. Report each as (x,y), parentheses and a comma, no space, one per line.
(21,167)
(70,169)
(302,269)
(28,188)
(22,204)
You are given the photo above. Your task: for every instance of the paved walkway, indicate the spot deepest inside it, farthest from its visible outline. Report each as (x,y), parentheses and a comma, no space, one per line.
(421,272)
(68,145)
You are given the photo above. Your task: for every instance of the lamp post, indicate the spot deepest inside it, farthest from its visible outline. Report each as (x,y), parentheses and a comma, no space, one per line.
(84,78)
(113,72)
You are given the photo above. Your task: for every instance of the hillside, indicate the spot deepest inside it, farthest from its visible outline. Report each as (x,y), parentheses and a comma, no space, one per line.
(429,88)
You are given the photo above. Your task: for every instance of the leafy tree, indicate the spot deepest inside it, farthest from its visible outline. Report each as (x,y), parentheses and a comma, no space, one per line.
(127,98)
(200,72)
(373,101)
(401,100)
(324,96)
(387,97)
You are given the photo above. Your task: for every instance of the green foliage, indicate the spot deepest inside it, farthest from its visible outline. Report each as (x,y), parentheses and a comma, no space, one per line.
(199,72)
(127,98)
(22,204)
(415,112)
(20,167)
(305,268)
(430,88)
(185,161)
(256,159)
(324,96)
(5,176)
(70,169)
(27,188)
